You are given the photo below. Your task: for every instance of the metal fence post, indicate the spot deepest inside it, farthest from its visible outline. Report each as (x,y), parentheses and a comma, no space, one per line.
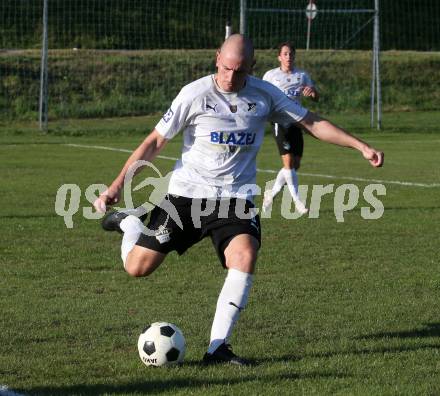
(377,49)
(228,29)
(43,109)
(243,17)
(373,86)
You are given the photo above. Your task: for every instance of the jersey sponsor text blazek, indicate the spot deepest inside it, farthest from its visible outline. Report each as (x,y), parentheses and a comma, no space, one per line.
(233,138)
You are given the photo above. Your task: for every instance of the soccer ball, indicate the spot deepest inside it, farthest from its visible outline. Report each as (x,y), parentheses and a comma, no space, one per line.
(161,344)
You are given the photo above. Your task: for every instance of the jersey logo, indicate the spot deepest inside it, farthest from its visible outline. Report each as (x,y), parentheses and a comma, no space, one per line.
(168,115)
(209,107)
(233,138)
(252,106)
(233,108)
(163,235)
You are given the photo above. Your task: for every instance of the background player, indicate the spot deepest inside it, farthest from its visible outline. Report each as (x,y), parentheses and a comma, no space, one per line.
(294,83)
(223,118)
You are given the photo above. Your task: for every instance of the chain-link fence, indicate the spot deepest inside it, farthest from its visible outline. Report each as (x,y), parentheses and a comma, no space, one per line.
(129,57)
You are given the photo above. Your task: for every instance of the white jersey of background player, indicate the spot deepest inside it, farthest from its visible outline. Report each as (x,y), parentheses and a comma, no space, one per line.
(294,83)
(222,118)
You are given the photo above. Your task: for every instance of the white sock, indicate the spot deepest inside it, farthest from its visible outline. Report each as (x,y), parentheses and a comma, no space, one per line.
(231,301)
(132,228)
(292,181)
(279,182)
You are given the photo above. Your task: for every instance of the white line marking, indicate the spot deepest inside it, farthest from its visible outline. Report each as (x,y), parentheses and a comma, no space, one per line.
(397,182)
(5,391)
(99,147)
(115,149)
(404,141)
(400,183)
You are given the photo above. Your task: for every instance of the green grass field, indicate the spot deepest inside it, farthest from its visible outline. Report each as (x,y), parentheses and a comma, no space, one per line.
(336,309)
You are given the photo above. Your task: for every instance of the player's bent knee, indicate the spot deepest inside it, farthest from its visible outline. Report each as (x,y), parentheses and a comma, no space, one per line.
(143,263)
(135,269)
(245,256)
(244,262)
(241,254)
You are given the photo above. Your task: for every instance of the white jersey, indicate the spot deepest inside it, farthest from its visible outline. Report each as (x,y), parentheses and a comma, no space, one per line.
(291,83)
(222,133)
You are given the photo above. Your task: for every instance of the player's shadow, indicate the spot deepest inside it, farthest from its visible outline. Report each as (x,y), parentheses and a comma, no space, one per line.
(254,362)
(189,384)
(372,350)
(276,359)
(428,330)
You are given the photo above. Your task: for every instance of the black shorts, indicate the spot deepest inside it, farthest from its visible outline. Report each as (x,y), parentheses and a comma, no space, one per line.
(221,219)
(289,140)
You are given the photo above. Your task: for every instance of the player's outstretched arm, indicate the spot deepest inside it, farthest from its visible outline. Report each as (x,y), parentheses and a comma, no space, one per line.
(324,130)
(147,151)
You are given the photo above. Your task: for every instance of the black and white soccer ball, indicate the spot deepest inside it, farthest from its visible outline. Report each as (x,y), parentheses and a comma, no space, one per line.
(161,344)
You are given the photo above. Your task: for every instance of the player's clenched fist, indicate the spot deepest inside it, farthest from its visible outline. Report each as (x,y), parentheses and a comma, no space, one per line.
(375,157)
(108,197)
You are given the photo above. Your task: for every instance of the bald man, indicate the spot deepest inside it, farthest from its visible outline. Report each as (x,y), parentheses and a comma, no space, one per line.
(210,193)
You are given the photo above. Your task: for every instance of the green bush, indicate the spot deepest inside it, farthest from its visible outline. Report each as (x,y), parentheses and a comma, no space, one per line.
(86,84)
